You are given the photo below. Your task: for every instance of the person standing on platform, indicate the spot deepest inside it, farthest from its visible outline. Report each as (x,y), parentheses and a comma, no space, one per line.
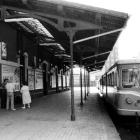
(26,98)
(10,95)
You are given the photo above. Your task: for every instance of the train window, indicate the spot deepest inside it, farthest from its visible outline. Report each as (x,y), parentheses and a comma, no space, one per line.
(104,80)
(113,79)
(110,79)
(107,80)
(130,78)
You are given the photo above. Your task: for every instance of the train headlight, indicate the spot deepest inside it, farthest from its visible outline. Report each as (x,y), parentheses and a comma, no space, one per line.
(129,100)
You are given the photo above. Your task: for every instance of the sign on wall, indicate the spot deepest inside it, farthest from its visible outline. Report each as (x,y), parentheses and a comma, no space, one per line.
(13,74)
(3,47)
(38,80)
(31,79)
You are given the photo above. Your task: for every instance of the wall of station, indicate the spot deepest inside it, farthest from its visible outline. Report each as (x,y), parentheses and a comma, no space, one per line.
(22,59)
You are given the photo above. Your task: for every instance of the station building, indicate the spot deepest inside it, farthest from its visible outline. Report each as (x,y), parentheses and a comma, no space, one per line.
(21,59)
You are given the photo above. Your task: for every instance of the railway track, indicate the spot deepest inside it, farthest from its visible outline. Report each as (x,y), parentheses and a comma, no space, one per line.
(127,127)
(136,131)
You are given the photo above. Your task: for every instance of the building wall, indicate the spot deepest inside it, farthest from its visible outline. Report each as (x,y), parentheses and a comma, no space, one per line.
(17,43)
(8,35)
(29,61)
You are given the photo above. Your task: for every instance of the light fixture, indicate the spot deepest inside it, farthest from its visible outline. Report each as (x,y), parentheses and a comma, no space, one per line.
(68,61)
(55,44)
(62,55)
(48,44)
(17,19)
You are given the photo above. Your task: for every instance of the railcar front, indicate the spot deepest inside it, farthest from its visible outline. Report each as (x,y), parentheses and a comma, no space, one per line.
(127,97)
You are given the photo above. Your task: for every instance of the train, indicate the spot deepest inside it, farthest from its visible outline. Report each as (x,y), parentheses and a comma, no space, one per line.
(120,87)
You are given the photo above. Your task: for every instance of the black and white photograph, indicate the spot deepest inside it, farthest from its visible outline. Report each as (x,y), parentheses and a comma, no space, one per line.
(69,70)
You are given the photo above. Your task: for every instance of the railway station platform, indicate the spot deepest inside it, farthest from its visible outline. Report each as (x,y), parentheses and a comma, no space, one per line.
(49,118)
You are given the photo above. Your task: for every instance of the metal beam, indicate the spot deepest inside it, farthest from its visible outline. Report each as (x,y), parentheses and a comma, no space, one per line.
(95,63)
(96,68)
(96,55)
(79,25)
(88,38)
(99,67)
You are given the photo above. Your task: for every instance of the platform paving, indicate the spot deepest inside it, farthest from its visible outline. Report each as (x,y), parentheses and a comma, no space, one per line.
(49,118)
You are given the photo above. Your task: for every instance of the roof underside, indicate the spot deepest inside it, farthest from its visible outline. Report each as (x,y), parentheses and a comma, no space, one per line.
(58,18)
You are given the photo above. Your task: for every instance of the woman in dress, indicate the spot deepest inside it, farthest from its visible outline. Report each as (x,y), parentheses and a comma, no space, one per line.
(26,98)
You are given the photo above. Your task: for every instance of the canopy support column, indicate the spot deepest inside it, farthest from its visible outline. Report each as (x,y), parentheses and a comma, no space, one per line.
(81,79)
(71,34)
(88,83)
(85,82)
(56,74)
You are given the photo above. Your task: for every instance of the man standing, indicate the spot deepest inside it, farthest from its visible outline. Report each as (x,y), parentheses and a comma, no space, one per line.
(10,95)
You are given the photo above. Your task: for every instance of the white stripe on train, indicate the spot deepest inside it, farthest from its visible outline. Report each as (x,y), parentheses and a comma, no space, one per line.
(130,92)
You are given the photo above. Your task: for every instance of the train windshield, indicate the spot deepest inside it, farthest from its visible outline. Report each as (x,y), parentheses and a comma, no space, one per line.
(130,78)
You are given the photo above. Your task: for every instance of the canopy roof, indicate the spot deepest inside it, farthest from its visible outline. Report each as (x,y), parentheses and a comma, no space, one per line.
(48,22)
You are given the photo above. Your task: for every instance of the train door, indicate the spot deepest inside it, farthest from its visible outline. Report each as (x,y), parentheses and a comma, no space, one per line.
(117,81)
